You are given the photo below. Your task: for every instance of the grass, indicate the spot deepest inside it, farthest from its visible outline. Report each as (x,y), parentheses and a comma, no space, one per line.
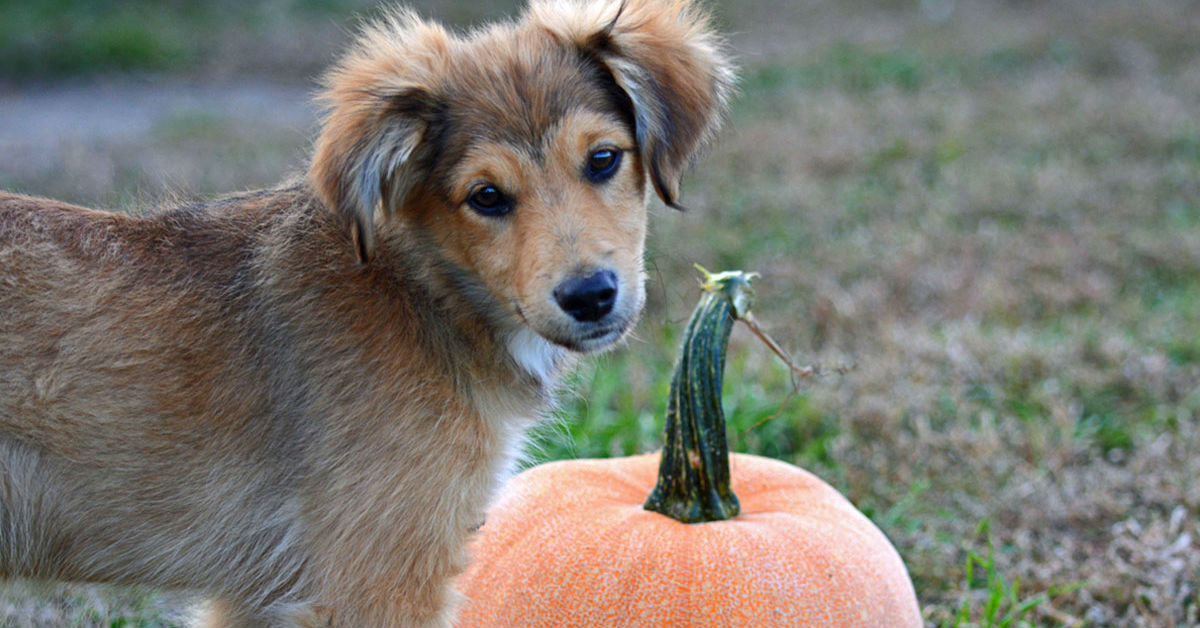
(1001,604)
(75,606)
(992,214)
(57,37)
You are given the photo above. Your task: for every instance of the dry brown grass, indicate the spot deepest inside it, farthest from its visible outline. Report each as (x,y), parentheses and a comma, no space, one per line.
(995,216)
(1008,245)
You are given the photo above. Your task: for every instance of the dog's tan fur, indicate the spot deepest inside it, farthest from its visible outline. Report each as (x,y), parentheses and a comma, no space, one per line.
(298,401)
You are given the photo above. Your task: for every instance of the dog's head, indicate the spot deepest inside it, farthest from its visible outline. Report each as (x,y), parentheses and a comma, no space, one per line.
(526,152)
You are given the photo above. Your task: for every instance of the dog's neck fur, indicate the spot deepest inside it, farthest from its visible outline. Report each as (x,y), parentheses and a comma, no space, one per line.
(536,356)
(482,343)
(416,298)
(491,347)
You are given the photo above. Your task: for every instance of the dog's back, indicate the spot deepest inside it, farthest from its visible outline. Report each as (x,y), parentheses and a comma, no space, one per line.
(123,375)
(165,389)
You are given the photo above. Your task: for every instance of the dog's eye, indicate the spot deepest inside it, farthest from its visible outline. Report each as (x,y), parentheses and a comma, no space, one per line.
(489,201)
(603,164)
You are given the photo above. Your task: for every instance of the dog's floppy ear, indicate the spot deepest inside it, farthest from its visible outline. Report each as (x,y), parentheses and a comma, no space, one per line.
(378,109)
(667,59)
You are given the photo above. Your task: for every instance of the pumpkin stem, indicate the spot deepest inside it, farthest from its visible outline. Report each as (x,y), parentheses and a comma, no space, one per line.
(693,474)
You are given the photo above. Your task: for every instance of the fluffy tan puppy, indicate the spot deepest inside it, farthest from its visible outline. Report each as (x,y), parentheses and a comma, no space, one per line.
(297,402)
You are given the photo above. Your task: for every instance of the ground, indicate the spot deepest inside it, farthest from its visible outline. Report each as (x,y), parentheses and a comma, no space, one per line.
(981,219)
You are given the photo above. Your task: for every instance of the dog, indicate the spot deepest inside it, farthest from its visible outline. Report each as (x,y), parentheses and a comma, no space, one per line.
(298,402)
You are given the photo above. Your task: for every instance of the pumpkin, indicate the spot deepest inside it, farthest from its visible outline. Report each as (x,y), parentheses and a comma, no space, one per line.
(721,540)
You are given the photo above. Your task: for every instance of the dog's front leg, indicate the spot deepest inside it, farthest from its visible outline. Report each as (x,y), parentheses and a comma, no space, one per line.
(391,600)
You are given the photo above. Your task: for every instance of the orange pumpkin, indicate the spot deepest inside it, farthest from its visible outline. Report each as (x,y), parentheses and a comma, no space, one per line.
(571,543)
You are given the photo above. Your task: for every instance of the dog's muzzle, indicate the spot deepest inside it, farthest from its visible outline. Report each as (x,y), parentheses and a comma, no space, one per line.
(589,298)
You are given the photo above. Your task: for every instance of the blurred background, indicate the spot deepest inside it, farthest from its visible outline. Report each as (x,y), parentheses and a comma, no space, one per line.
(980,218)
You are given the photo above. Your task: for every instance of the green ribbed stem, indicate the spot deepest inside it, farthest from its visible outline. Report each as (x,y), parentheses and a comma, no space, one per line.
(693,475)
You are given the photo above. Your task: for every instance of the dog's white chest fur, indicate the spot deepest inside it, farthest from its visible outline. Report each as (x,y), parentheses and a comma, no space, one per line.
(536,355)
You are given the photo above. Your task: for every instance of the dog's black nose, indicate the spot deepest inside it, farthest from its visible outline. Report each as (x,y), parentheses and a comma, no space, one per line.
(588,299)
